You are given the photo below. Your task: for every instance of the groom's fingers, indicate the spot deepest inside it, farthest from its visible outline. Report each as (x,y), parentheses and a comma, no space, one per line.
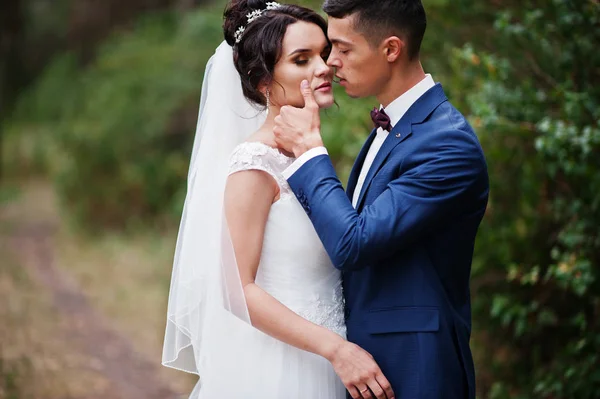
(385,385)
(364,392)
(353,391)
(376,389)
(309,97)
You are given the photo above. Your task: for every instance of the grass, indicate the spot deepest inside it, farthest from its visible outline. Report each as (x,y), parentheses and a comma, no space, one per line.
(126,278)
(35,360)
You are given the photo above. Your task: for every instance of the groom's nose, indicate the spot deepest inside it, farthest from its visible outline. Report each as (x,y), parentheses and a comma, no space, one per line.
(334,61)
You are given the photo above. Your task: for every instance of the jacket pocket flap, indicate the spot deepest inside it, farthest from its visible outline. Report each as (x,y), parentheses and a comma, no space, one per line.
(402,320)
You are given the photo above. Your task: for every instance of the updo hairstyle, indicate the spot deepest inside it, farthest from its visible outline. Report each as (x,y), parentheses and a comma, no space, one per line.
(259,50)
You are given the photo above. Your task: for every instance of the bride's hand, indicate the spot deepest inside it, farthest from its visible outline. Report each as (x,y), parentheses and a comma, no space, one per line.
(359,372)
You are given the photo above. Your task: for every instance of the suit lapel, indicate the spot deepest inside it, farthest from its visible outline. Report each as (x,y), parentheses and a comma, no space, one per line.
(399,133)
(416,114)
(353,179)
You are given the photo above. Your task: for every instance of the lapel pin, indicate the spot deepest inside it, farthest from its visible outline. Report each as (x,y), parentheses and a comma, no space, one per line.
(398,135)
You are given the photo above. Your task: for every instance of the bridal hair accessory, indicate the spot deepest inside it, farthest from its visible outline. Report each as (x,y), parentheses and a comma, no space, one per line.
(272,5)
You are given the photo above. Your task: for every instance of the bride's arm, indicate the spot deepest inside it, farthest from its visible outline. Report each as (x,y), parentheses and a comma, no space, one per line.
(248,199)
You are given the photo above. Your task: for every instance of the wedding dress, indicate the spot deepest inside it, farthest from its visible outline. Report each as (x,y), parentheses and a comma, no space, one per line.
(209,331)
(295,269)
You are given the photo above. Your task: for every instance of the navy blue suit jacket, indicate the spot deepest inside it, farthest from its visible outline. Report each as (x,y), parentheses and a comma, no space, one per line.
(406,250)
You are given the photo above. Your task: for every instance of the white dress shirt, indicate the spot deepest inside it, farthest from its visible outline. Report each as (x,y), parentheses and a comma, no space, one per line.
(395,110)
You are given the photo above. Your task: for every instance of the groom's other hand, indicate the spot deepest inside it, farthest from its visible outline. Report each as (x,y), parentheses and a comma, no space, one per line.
(359,372)
(298,130)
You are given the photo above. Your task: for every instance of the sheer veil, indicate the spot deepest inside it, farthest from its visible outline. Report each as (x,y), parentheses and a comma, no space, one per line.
(206,300)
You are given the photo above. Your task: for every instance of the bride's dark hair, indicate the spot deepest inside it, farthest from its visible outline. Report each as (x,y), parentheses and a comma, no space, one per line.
(259,50)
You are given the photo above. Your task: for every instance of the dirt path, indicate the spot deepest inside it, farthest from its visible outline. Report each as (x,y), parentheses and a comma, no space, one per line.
(126,372)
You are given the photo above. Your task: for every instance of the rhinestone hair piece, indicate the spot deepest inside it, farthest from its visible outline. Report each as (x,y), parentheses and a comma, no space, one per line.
(272,5)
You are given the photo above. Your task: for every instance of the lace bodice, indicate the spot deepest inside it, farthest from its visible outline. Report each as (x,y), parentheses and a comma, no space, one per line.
(294,266)
(259,156)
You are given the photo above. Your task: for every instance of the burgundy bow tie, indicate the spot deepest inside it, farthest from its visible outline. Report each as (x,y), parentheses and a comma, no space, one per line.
(381,119)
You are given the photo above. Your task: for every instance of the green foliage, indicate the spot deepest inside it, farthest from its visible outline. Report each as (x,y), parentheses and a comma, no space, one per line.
(121,128)
(9,376)
(31,134)
(534,101)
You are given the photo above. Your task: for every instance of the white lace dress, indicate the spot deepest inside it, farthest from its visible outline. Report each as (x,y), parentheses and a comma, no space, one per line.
(295,269)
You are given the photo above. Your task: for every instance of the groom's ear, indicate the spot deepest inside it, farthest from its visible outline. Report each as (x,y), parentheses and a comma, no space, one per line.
(393,48)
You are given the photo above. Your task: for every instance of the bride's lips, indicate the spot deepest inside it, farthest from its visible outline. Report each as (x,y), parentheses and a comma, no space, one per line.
(324,87)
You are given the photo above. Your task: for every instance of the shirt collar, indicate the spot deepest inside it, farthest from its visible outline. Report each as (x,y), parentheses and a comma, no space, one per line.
(397,108)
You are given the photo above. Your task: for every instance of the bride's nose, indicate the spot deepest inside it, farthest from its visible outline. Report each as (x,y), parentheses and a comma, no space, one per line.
(322,69)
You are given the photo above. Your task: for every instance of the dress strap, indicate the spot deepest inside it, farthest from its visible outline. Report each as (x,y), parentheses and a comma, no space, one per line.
(259,156)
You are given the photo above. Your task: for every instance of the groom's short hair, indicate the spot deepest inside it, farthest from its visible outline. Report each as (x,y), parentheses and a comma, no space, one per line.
(378,19)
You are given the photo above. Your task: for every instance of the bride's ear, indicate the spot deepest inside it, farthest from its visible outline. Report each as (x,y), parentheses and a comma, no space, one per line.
(263,86)
(264,89)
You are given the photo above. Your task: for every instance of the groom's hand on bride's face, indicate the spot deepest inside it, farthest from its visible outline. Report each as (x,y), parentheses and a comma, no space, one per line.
(298,130)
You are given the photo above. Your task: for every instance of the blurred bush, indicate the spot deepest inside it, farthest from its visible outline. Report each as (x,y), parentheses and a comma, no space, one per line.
(534,97)
(116,135)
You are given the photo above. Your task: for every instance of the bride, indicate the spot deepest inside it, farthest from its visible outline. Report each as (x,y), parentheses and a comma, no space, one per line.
(255,306)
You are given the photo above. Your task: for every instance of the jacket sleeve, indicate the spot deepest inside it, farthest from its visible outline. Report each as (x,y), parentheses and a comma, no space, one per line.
(436,186)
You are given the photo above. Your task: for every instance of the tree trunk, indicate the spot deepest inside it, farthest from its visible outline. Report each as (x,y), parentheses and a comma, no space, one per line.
(11,24)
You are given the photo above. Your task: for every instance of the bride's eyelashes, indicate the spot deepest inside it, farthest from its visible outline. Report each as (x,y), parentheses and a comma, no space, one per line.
(301,61)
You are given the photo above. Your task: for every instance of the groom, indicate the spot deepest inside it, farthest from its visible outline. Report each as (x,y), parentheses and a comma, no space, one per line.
(403,233)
